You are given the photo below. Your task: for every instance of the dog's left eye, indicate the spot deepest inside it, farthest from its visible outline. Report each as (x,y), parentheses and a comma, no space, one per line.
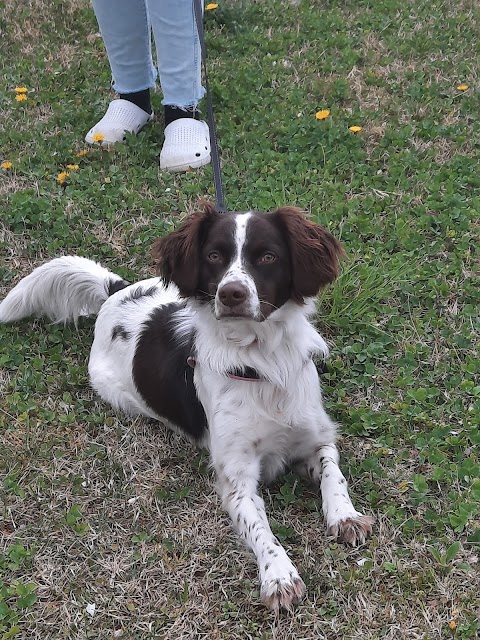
(268,257)
(214,256)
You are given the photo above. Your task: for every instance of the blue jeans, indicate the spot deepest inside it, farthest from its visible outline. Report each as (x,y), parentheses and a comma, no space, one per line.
(126,27)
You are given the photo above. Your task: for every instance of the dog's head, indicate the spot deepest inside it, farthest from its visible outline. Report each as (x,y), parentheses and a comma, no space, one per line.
(248,264)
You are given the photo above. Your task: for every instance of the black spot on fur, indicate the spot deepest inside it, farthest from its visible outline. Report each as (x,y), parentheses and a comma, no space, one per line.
(116,285)
(138,293)
(162,375)
(119,332)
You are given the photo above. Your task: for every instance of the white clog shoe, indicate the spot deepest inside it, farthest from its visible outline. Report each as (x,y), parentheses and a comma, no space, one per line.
(120,117)
(186,146)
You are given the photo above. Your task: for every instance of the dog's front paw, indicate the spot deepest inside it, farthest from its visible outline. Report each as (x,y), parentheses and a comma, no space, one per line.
(282,592)
(353,530)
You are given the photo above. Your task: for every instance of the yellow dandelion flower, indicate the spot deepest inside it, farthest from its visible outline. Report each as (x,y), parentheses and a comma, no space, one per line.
(62,176)
(211,6)
(73,167)
(403,486)
(21,90)
(462,87)
(81,153)
(323,114)
(98,137)
(355,128)
(6,164)
(20,97)
(452,624)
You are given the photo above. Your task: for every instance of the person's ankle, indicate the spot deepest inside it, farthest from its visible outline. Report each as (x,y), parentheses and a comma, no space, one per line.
(139,98)
(173,113)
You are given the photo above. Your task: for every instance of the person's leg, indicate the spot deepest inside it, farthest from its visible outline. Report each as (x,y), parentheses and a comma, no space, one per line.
(187,142)
(125,29)
(178,52)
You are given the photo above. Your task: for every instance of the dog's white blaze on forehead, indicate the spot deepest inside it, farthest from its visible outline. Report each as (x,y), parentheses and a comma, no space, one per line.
(237,270)
(241,223)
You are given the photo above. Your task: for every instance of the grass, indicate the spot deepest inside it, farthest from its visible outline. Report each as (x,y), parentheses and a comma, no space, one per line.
(100,509)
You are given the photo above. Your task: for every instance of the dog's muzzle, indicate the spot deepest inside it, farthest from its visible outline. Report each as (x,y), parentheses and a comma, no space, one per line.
(233,300)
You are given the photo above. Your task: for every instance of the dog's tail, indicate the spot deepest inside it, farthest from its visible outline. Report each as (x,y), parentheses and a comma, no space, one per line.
(62,290)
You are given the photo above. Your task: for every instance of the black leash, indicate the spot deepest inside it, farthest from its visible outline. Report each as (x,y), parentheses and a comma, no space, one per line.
(217,172)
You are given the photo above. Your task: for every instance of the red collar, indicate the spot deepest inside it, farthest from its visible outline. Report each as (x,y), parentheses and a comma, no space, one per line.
(248,374)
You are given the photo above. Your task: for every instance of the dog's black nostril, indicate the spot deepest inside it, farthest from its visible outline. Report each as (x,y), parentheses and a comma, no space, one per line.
(232,294)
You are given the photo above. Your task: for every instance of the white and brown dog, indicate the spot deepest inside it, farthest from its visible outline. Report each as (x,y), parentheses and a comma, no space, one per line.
(220,347)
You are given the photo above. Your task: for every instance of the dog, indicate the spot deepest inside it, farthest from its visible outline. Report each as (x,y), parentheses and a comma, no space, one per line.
(220,348)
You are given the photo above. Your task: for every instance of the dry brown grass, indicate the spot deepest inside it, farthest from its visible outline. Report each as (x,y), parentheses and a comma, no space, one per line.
(11,183)
(201,584)
(191,579)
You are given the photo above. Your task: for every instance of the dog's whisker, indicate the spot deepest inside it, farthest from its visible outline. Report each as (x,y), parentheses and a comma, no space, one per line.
(206,293)
(270,304)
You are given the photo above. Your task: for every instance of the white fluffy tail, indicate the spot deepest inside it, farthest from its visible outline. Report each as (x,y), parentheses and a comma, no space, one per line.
(62,290)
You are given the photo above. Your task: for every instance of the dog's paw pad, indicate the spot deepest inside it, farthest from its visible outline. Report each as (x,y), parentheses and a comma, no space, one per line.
(280,593)
(353,531)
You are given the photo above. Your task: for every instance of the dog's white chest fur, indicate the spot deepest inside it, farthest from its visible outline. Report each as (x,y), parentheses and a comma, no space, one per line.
(273,420)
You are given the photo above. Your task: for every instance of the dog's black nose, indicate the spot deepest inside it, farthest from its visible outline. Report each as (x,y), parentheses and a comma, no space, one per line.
(232,294)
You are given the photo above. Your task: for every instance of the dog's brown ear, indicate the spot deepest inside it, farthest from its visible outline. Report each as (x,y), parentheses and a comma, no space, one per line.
(314,252)
(177,255)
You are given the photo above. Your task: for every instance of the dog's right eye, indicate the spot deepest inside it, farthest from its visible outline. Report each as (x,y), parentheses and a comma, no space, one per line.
(214,256)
